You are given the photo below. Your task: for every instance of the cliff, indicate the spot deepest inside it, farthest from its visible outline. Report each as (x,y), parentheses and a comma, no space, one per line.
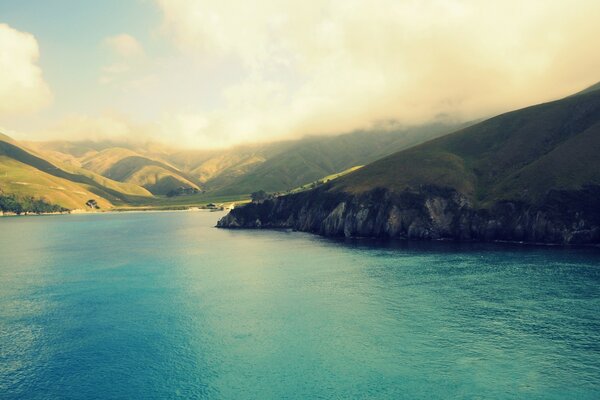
(563,217)
(530,175)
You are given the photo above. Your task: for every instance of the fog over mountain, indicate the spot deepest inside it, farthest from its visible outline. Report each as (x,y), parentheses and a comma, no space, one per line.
(211,74)
(531,175)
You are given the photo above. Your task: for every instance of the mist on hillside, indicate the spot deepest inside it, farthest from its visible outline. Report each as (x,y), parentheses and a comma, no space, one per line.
(213,75)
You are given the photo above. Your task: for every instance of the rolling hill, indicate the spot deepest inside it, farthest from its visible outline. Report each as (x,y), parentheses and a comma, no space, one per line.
(119,173)
(291,164)
(23,173)
(274,167)
(528,175)
(138,165)
(520,155)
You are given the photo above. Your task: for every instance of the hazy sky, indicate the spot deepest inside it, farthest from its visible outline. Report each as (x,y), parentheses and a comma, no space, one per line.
(214,73)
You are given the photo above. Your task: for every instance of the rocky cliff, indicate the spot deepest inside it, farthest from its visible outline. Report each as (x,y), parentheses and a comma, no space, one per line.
(429,212)
(529,175)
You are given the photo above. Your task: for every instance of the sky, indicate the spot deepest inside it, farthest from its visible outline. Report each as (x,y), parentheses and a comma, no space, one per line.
(206,74)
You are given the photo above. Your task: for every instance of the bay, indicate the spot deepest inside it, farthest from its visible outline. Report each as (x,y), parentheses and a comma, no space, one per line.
(164,305)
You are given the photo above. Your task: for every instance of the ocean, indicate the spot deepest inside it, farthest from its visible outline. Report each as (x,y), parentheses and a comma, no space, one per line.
(162,305)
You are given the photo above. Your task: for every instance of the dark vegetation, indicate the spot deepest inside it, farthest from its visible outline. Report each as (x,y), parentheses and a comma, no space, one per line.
(20,205)
(93,204)
(259,196)
(182,191)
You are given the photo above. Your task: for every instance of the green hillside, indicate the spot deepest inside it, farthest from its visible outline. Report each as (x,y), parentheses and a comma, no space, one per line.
(518,155)
(158,177)
(19,205)
(121,162)
(274,167)
(23,180)
(307,160)
(25,174)
(101,161)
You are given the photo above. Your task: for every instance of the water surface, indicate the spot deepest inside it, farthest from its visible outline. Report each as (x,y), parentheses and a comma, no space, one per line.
(163,305)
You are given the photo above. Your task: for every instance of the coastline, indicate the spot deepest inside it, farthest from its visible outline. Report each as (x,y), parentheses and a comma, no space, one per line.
(375,239)
(430,213)
(117,210)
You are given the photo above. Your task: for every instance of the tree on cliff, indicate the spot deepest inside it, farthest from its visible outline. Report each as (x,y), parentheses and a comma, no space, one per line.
(259,196)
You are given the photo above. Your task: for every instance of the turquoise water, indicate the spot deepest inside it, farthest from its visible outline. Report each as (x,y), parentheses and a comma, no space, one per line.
(162,305)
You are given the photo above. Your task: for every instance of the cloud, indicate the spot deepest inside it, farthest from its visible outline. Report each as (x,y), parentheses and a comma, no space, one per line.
(171,129)
(338,65)
(129,55)
(180,128)
(85,127)
(187,128)
(22,86)
(125,45)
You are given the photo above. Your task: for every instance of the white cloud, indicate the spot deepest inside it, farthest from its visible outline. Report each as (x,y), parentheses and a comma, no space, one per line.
(86,127)
(181,128)
(22,86)
(336,65)
(125,45)
(127,55)
(240,71)
(185,127)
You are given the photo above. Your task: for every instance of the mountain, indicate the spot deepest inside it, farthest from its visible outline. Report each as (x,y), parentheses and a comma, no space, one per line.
(121,173)
(287,165)
(237,171)
(529,175)
(123,162)
(519,155)
(25,174)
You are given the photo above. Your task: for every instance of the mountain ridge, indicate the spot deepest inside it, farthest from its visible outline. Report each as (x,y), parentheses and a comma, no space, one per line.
(123,175)
(529,175)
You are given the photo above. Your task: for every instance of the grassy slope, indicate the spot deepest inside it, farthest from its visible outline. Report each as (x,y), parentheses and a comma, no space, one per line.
(205,198)
(308,160)
(278,166)
(227,165)
(87,182)
(140,174)
(154,175)
(24,180)
(127,188)
(517,155)
(207,164)
(324,180)
(25,172)
(102,161)
(158,180)
(71,164)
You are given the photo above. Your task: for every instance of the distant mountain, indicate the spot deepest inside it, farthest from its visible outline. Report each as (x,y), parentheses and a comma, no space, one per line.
(274,167)
(520,155)
(136,165)
(120,173)
(25,174)
(528,175)
(287,165)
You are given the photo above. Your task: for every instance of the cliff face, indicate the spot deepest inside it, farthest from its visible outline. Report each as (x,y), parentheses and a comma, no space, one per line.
(562,217)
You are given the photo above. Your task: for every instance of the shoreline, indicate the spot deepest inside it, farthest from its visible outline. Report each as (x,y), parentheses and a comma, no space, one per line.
(114,211)
(375,239)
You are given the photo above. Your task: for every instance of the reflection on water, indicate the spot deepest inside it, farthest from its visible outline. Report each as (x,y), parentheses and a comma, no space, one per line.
(162,305)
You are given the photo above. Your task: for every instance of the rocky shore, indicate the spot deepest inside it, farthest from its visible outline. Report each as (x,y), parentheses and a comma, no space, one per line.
(562,217)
